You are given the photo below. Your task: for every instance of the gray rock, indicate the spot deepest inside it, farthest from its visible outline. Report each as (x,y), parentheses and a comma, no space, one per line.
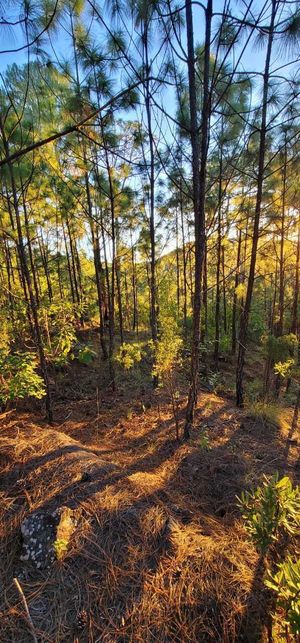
(46,536)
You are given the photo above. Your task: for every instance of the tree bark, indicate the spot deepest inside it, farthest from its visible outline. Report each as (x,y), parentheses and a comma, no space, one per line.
(199,156)
(244,323)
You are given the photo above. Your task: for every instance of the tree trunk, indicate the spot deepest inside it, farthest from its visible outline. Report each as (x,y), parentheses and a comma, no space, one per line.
(199,154)
(218,271)
(236,283)
(243,333)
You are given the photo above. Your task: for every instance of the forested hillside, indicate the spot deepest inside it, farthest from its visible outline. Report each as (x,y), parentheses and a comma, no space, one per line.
(149,312)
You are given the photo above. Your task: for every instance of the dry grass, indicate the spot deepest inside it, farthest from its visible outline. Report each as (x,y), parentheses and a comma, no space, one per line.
(160,554)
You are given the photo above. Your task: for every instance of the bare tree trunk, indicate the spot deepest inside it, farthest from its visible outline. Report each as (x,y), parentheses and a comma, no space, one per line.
(243,333)
(236,283)
(279,330)
(69,266)
(135,323)
(218,271)
(184,259)
(199,156)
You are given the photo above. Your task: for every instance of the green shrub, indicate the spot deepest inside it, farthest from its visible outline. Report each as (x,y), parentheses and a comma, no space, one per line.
(129,355)
(19,378)
(286,584)
(273,506)
(61,320)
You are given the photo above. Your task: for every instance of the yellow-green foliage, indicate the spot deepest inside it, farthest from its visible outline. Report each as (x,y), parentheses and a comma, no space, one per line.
(167,349)
(129,355)
(284,368)
(60,548)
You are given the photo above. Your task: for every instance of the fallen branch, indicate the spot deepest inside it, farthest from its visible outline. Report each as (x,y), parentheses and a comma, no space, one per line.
(29,619)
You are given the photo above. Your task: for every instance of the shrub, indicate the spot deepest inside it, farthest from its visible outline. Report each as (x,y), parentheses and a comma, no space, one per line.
(129,355)
(62,333)
(286,584)
(166,360)
(19,378)
(273,506)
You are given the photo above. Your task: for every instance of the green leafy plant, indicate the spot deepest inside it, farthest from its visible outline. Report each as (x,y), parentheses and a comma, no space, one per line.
(61,333)
(214,380)
(19,378)
(273,506)
(167,358)
(84,353)
(129,355)
(285,582)
(204,439)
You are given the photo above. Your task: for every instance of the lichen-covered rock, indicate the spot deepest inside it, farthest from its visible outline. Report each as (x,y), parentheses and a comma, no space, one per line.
(46,535)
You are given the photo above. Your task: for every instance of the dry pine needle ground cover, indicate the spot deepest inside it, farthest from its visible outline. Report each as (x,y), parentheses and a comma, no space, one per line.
(160,554)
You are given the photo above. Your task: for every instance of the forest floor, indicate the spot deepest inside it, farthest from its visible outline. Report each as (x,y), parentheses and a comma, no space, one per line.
(160,554)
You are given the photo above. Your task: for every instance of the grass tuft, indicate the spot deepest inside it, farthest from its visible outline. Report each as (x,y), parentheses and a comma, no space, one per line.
(265,413)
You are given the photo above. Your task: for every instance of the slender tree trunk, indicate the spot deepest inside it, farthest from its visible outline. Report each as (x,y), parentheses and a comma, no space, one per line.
(236,283)
(224,291)
(30,253)
(135,325)
(184,259)
(69,266)
(73,261)
(97,267)
(199,154)
(294,324)
(45,265)
(153,286)
(204,298)
(243,333)
(279,329)
(177,267)
(218,271)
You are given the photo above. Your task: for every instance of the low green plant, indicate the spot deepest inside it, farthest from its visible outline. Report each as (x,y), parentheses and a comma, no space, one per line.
(285,582)
(214,380)
(84,353)
(204,439)
(19,378)
(273,506)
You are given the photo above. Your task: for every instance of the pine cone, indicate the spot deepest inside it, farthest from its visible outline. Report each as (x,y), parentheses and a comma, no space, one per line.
(81,621)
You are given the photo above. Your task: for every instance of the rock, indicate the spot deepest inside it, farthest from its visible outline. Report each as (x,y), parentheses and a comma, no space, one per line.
(46,536)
